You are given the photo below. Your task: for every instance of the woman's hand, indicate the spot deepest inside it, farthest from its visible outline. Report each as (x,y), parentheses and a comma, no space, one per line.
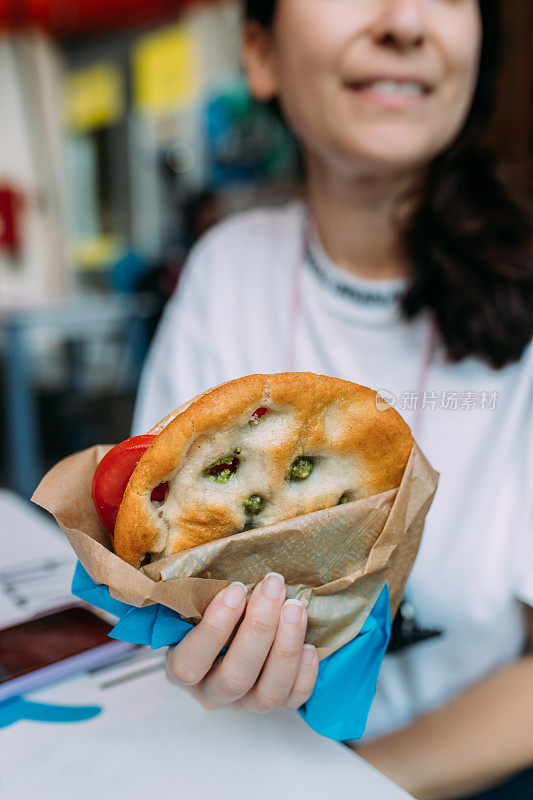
(267,665)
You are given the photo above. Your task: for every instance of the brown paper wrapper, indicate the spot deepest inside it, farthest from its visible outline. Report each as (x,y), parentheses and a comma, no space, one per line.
(335,561)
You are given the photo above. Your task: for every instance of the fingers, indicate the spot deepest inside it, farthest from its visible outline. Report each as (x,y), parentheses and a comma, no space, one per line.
(267,664)
(193,657)
(238,671)
(304,683)
(281,667)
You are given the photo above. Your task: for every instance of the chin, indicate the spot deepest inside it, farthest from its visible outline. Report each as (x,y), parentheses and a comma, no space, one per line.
(393,149)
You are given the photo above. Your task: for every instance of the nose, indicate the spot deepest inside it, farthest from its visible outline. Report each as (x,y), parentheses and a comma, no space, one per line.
(400,24)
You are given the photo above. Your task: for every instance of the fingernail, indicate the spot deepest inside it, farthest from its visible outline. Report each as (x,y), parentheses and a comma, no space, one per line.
(273,585)
(234,594)
(308,653)
(292,610)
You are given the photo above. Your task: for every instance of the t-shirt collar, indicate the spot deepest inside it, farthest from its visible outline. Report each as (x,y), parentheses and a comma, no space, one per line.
(367,299)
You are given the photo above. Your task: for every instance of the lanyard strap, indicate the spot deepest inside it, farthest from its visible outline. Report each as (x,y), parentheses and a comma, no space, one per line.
(430,339)
(296,293)
(295,313)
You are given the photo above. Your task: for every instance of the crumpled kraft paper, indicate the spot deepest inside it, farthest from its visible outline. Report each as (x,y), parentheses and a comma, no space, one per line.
(336,560)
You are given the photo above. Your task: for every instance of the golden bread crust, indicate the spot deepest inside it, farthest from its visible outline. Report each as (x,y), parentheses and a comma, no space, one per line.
(356,450)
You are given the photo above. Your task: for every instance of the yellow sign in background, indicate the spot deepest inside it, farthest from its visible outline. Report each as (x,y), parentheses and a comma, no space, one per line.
(94,97)
(166,70)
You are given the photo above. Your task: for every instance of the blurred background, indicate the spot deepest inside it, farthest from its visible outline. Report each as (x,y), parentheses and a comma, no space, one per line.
(126,131)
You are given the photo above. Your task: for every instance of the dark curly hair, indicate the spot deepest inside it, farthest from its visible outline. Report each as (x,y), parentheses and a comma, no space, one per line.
(470,239)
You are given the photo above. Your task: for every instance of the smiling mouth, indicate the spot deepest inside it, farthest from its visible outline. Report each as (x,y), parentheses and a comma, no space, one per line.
(391,88)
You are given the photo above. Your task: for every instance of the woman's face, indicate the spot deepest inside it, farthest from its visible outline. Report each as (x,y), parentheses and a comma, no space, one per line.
(386,81)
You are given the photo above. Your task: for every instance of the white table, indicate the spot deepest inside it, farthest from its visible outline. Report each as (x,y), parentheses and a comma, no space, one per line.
(36,562)
(151,737)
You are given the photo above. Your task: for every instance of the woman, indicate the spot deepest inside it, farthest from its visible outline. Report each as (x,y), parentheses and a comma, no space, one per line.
(404,267)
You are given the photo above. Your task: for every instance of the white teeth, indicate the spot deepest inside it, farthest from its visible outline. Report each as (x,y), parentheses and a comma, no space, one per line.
(390,87)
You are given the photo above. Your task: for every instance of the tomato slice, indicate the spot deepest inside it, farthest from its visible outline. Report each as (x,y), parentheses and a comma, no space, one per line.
(112,475)
(258,413)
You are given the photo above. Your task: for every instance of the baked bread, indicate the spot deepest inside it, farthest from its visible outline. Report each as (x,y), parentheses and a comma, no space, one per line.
(255,451)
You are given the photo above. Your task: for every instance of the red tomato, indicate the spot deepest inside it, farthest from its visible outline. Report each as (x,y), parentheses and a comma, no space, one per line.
(112,475)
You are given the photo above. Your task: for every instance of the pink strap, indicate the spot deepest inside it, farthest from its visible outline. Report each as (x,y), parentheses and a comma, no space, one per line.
(427,357)
(296,295)
(295,309)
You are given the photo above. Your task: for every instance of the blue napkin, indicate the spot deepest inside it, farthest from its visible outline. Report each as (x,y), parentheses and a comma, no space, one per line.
(346,683)
(18,708)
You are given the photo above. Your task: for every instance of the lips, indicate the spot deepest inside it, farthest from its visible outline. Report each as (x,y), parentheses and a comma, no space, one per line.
(405,85)
(391,94)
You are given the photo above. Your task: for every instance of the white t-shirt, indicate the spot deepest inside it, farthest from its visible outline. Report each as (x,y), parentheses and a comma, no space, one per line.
(232,315)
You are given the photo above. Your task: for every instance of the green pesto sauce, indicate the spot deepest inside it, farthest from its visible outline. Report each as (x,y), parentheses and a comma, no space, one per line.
(300,469)
(222,470)
(220,477)
(254,505)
